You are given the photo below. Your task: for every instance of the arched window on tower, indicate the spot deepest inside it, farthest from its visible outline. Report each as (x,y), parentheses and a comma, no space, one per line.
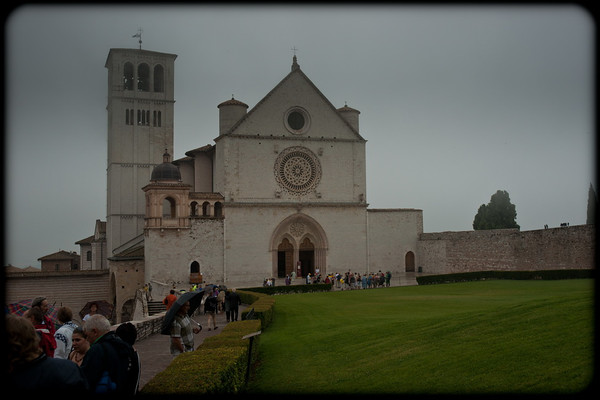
(194,209)
(206,209)
(143,77)
(218,209)
(169,208)
(159,79)
(128,76)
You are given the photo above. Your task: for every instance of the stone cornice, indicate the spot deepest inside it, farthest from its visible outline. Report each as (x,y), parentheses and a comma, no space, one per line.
(289,204)
(291,138)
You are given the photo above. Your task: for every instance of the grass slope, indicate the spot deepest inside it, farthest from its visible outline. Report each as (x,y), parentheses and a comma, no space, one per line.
(471,338)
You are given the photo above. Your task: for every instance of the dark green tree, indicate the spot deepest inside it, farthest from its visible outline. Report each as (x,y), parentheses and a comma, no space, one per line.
(591,206)
(499,213)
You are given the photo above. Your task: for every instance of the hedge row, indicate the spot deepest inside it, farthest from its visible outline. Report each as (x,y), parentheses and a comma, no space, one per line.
(220,363)
(517,275)
(287,289)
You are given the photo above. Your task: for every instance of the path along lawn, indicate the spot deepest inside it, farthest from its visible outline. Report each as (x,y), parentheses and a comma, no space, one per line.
(483,337)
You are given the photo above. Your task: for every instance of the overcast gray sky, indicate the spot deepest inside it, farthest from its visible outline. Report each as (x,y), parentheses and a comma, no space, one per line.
(456,103)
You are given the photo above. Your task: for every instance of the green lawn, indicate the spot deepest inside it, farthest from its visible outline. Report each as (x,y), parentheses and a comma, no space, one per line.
(471,338)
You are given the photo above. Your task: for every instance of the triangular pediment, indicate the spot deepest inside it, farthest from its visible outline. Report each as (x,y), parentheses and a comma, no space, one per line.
(295,93)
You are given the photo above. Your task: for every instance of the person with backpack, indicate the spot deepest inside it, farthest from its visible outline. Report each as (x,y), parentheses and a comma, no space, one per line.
(110,365)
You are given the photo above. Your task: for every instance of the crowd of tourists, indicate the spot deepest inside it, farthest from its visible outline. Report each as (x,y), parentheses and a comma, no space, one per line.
(68,358)
(347,281)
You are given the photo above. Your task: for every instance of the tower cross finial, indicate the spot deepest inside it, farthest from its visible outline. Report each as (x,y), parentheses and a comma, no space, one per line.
(295,65)
(139,35)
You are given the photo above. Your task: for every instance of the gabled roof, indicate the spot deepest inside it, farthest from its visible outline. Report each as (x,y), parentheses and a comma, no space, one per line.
(60,255)
(295,71)
(12,268)
(87,240)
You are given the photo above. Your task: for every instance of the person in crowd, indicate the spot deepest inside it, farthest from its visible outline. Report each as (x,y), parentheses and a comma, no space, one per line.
(47,342)
(182,331)
(170,299)
(42,304)
(31,371)
(109,365)
(234,302)
(80,346)
(210,309)
(128,332)
(93,311)
(221,301)
(64,334)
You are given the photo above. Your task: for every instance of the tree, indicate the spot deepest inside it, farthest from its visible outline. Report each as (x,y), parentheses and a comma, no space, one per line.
(591,206)
(499,213)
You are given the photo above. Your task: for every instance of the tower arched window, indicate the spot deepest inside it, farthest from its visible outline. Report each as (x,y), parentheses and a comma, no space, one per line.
(193,209)
(169,208)
(218,209)
(205,209)
(128,76)
(159,78)
(143,78)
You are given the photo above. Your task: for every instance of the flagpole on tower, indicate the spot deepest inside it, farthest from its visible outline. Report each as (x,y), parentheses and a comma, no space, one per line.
(139,35)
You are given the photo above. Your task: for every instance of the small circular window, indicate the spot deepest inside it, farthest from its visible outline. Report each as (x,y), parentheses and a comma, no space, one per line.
(297,121)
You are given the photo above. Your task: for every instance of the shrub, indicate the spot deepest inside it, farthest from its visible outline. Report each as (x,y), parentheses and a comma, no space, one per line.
(517,275)
(220,363)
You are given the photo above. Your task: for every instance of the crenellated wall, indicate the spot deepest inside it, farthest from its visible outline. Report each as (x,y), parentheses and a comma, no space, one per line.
(507,249)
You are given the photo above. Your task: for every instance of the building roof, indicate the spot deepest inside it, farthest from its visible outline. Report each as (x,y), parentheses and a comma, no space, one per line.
(60,255)
(166,171)
(12,268)
(232,102)
(87,240)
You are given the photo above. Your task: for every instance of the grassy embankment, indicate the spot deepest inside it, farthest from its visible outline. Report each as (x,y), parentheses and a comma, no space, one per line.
(478,337)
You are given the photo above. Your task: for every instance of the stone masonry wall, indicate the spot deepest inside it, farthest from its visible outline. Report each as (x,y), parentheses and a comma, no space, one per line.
(570,247)
(71,289)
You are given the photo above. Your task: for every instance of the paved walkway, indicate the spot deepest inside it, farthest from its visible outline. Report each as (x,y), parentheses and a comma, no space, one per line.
(154,351)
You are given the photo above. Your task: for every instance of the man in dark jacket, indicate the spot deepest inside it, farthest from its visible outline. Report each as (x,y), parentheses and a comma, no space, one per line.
(109,365)
(233,301)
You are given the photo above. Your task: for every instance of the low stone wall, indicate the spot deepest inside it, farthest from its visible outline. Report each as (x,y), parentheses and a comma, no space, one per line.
(147,326)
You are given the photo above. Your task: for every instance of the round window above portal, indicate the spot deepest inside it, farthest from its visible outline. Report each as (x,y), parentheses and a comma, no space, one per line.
(297,120)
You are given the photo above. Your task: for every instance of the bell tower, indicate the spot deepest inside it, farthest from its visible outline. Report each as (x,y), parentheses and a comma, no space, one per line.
(140,128)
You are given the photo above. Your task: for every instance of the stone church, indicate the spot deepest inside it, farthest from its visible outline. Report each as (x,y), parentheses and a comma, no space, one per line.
(282,189)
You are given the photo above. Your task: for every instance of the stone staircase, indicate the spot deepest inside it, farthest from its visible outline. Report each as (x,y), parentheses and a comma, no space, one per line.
(155,307)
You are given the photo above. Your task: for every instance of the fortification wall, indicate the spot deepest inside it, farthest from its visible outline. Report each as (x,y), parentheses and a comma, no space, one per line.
(571,247)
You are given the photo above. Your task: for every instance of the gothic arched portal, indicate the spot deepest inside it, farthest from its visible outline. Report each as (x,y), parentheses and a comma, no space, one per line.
(298,241)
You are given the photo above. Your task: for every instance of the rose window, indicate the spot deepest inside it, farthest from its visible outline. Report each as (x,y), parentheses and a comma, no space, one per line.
(297,170)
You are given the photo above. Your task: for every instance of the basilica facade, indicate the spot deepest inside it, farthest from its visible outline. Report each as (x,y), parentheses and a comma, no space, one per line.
(281,190)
